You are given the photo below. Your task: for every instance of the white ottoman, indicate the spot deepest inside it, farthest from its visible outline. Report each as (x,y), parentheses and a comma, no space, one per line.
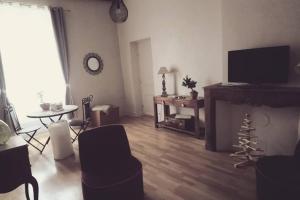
(60,139)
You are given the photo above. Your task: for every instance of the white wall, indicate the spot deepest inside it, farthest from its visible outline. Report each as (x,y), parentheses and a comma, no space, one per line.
(185,35)
(90,29)
(261,23)
(194,36)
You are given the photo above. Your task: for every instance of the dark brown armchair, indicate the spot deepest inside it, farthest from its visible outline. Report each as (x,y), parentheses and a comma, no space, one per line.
(108,169)
(278,177)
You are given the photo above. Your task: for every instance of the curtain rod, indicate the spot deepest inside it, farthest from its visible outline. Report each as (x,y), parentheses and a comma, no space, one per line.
(27,4)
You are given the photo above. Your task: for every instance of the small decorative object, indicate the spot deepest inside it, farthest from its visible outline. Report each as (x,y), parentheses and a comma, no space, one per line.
(180,97)
(43,105)
(5,132)
(118,11)
(191,84)
(248,154)
(163,71)
(93,63)
(297,68)
(55,107)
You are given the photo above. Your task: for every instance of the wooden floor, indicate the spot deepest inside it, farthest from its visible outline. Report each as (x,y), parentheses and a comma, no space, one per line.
(175,166)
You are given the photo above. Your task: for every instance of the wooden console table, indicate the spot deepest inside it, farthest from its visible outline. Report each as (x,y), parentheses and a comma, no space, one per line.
(269,95)
(195,104)
(15,167)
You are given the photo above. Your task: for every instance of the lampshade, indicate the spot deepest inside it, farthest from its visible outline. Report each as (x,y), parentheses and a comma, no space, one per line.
(5,132)
(298,65)
(118,11)
(163,70)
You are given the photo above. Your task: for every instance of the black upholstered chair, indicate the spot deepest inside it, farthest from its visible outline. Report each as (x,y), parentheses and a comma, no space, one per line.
(278,177)
(83,123)
(108,170)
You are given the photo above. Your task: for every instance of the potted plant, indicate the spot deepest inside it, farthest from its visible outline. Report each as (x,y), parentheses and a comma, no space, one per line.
(191,84)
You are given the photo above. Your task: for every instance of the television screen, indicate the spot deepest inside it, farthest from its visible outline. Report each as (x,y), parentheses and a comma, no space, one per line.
(261,65)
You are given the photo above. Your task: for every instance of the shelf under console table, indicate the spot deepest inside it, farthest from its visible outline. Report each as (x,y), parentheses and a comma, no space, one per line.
(166,102)
(257,95)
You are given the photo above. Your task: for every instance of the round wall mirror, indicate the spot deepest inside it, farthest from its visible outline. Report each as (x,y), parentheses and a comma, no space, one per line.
(92,63)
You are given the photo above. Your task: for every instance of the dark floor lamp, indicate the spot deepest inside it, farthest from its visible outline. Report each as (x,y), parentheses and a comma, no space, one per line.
(163,71)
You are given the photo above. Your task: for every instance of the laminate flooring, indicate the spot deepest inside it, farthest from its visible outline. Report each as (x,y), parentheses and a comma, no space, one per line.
(175,166)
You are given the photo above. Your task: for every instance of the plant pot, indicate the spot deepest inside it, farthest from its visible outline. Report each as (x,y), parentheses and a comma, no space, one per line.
(45,106)
(194,94)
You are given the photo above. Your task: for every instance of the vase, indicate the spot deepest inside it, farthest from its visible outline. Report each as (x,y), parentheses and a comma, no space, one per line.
(5,132)
(194,94)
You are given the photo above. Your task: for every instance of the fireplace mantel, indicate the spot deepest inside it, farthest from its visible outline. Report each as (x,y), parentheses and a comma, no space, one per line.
(256,95)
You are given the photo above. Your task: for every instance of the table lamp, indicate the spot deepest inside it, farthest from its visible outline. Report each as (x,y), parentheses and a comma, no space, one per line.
(163,71)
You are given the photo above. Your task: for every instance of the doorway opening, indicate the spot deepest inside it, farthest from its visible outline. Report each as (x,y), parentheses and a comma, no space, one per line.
(142,69)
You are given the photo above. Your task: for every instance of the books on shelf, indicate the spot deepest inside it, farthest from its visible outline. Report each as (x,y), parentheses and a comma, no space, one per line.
(181,116)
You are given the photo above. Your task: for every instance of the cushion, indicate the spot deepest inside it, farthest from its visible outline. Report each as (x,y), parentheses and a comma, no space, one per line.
(76,122)
(103,108)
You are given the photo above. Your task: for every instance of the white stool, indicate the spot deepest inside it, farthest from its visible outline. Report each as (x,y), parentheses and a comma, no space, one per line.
(60,139)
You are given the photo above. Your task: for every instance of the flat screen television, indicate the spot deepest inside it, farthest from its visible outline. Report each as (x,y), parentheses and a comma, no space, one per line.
(259,66)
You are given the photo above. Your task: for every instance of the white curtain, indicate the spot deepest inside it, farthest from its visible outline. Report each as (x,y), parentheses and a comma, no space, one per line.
(30,59)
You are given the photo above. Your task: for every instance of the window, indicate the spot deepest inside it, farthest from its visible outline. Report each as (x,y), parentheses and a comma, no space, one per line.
(30,58)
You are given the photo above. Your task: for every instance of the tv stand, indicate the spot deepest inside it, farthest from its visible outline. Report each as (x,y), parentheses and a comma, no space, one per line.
(269,95)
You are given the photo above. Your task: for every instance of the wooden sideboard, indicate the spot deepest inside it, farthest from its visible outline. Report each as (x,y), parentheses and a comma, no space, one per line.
(268,95)
(15,167)
(166,102)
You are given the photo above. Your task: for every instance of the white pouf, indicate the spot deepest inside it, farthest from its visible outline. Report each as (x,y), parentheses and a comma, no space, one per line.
(60,139)
(103,108)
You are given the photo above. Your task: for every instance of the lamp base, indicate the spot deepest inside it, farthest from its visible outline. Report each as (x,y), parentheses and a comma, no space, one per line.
(164,94)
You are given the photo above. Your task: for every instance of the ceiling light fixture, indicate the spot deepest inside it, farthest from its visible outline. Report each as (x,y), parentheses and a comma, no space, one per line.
(118,11)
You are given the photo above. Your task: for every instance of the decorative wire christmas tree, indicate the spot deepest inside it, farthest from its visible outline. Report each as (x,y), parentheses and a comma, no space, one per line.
(248,153)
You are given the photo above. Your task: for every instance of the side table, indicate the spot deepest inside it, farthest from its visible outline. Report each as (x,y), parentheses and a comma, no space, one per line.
(15,168)
(166,102)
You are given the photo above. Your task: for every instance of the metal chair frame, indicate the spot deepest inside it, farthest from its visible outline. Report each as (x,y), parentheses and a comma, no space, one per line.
(86,116)
(30,132)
